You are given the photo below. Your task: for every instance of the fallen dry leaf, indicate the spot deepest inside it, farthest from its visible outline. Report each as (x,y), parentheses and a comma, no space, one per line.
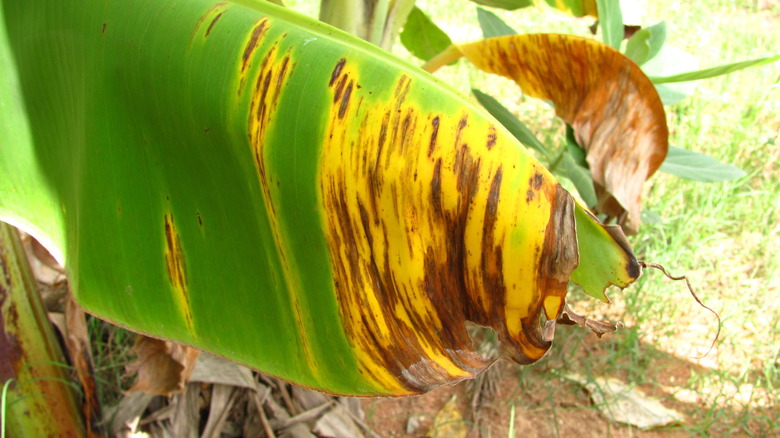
(448,422)
(214,369)
(161,367)
(622,403)
(614,109)
(222,399)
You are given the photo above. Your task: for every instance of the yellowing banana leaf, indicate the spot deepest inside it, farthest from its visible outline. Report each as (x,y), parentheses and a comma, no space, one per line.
(240,178)
(617,115)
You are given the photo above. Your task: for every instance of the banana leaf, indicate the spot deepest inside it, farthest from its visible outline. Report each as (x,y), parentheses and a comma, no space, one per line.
(254,183)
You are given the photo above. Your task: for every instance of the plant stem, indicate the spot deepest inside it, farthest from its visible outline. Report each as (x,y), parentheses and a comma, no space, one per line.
(41,403)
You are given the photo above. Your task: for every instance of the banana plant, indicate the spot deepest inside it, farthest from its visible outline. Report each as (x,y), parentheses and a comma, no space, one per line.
(240,178)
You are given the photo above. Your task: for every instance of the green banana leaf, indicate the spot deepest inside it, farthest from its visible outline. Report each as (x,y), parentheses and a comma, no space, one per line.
(240,178)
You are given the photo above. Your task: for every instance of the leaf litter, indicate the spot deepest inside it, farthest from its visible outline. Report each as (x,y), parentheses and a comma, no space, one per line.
(221,398)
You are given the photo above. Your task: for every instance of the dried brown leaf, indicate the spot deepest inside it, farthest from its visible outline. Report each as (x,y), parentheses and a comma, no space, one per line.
(186,414)
(616,113)
(222,399)
(449,422)
(161,367)
(77,340)
(336,423)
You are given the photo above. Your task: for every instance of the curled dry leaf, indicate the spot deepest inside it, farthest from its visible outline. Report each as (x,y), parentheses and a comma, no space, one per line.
(162,367)
(616,113)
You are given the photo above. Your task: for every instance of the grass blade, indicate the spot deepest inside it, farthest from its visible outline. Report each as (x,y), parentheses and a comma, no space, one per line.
(492,25)
(696,166)
(714,71)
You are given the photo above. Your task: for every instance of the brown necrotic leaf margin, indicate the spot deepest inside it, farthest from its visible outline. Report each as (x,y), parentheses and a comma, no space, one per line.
(616,113)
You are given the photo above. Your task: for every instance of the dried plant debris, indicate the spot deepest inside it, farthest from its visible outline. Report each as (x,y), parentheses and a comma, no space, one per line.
(221,398)
(624,404)
(161,367)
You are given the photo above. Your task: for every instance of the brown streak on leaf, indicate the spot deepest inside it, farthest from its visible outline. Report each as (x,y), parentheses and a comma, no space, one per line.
(174,258)
(432,143)
(419,220)
(211,10)
(251,45)
(213,22)
(340,88)
(345,100)
(337,72)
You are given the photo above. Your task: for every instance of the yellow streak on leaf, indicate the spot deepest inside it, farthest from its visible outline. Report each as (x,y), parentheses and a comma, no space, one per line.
(177,272)
(266,89)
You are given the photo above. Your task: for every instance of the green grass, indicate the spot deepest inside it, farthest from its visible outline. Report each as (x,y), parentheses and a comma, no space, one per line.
(111,353)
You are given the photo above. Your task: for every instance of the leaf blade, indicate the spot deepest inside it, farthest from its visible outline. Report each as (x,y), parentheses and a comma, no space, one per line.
(714,71)
(492,25)
(645,44)
(696,166)
(510,122)
(611,22)
(422,37)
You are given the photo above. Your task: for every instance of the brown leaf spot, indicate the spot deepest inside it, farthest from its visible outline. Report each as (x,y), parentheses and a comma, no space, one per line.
(491,140)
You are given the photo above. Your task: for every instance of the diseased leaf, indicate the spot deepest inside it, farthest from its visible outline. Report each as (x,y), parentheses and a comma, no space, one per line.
(617,115)
(714,71)
(510,122)
(695,166)
(320,210)
(611,21)
(492,25)
(645,44)
(505,4)
(422,37)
